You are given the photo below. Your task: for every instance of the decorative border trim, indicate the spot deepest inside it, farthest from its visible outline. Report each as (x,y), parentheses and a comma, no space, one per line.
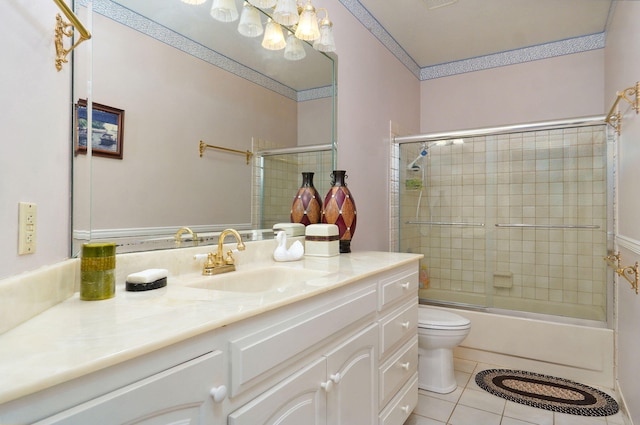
(528,54)
(154,30)
(370,23)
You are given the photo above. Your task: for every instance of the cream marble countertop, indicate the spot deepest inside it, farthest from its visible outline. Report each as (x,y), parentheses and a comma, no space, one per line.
(75,337)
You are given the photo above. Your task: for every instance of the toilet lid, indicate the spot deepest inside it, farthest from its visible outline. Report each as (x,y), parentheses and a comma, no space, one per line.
(434,318)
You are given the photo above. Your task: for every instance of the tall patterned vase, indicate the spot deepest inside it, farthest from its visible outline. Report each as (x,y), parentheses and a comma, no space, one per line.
(339,208)
(307,204)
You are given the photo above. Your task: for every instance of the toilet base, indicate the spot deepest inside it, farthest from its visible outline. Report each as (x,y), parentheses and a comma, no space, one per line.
(435,371)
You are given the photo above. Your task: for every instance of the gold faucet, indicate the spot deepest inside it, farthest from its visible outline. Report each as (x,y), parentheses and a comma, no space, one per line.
(217,263)
(183,230)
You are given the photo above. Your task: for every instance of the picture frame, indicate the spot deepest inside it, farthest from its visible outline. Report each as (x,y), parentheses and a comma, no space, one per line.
(107,130)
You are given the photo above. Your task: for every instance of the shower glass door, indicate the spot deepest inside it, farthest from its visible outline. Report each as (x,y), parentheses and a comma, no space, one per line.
(514,221)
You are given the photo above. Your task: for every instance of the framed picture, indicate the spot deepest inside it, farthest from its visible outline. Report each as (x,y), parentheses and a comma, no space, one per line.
(107,130)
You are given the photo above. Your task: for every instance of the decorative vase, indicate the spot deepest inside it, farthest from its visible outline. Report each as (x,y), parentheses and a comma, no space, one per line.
(306,207)
(339,208)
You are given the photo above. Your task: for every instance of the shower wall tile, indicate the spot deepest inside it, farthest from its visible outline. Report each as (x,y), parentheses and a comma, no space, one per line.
(542,177)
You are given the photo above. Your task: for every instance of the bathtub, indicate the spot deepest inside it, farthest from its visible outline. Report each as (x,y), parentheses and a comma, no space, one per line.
(582,351)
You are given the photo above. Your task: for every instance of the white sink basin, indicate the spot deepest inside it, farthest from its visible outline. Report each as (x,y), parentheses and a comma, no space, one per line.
(259,280)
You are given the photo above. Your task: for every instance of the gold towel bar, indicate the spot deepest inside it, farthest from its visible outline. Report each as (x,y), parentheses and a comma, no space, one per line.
(204,146)
(614,117)
(630,273)
(66,29)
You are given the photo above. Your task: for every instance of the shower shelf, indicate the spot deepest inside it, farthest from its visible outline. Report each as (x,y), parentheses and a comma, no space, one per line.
(549,226)
(447,223)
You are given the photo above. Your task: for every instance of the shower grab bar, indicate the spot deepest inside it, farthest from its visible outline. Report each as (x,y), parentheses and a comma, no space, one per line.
(550,226)
(447,223)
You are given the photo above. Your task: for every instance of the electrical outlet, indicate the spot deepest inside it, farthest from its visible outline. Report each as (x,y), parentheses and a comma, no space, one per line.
(27,221)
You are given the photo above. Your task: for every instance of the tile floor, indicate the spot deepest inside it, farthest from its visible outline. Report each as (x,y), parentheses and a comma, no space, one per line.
(470,405)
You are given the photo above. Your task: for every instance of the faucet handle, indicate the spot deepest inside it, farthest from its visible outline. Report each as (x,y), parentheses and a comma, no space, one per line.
(229,258)
(209,264)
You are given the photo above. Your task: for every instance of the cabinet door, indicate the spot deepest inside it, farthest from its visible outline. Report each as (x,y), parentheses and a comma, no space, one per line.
(180,395)
(298,400)
(352,369)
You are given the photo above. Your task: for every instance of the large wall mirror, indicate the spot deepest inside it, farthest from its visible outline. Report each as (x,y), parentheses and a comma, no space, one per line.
(180,77)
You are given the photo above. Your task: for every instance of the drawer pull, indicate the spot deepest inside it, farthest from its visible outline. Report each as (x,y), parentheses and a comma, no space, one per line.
(405,325)
(328,386)
(218,393)
(405,409)
(336,378)
(406,285)
(405,366)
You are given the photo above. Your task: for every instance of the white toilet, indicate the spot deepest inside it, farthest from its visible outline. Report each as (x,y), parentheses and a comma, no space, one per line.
(439,332)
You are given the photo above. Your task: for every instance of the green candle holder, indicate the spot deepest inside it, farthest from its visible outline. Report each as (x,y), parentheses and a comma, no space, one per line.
(97,271)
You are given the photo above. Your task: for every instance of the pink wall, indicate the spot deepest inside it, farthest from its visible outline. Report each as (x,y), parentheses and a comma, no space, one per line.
(374,88)
(622,71)
(34,152)
(197,101)
(562,87)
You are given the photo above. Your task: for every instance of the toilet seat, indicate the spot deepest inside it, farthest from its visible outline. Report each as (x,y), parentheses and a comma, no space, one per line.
(431,318)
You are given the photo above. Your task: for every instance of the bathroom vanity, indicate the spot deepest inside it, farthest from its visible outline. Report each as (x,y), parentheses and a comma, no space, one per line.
(338,347)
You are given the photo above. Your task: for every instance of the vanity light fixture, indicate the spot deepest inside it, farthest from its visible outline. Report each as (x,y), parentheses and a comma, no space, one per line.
(250,24)
(326,42)
(66,29)
(300,20)
(294,51)
(308,24)
(273,37)
(263,4)
(224,10)
(286,12)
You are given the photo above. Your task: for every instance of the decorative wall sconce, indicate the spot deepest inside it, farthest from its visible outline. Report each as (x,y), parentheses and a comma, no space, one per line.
(630,273)
(66,29)
(631,95)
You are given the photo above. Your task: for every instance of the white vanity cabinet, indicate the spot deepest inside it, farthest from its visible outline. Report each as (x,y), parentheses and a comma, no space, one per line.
(398,361)
(182,395)
(344,356)
(337,388)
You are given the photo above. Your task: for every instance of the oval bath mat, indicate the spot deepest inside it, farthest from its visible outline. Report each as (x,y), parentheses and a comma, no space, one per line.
(546,392)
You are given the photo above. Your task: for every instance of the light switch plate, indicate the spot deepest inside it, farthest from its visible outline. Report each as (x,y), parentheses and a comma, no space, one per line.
(27,221)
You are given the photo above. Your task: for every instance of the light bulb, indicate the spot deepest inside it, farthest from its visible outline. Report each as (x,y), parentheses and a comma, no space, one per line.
(224,10)
(286,12)
(326,42)
(263,4)
(294,50)
(308,24)
(250,24)
(273,37)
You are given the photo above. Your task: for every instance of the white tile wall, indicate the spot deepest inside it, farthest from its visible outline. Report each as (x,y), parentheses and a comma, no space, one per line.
(278,181)
(551,177)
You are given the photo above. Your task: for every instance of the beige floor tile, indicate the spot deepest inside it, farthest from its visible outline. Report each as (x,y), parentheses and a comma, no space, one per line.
(434,408)
(482,400)
(464,415)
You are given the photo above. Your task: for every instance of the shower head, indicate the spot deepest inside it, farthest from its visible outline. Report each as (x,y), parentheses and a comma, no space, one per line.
(413,166)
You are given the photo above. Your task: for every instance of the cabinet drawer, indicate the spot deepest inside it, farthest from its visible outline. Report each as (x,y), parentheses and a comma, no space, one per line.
(261,352)
(398,286)
(395,372)
(398,326)
(397,412)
